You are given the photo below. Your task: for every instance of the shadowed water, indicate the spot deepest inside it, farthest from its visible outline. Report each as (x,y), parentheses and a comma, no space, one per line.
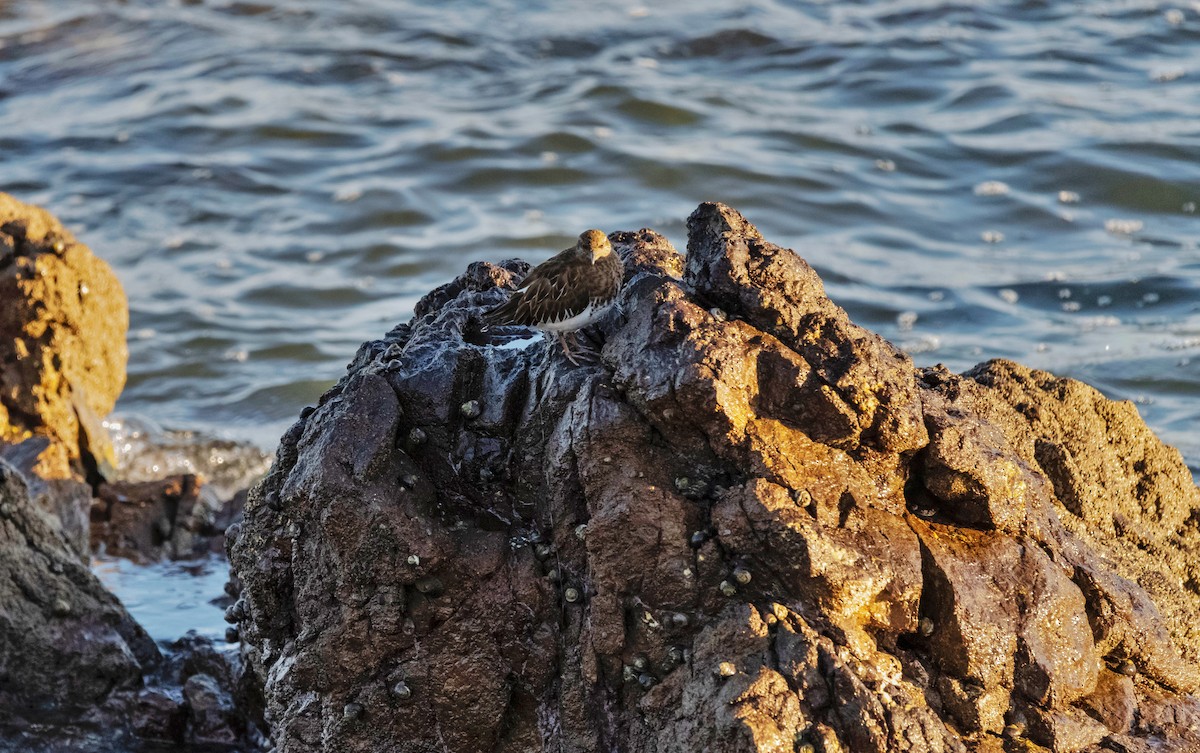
(276,182)
(170,598)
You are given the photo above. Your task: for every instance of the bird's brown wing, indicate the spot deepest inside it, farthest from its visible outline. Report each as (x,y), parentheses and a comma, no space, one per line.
(552,299)
(557,289)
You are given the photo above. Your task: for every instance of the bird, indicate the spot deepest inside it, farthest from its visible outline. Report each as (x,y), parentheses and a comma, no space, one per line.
(567,292)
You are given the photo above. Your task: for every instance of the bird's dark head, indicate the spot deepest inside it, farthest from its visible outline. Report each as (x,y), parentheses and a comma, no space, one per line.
(593,245)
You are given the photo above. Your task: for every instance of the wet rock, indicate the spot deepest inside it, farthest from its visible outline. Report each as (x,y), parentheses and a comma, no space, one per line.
(62,341)
(1057,661)
(67,501)
(176,517)
(741,455)
(977,479)
(77,673)
(1006,617)
(66,645)
(1064,729)
(858,390)
(1165,718)
(218,703)
(159,716)
(211,715)
(1126,623)
(864,570)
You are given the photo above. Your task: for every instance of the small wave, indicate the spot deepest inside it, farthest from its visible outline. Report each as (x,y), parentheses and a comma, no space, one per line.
(146,451)
(1123,226)
(991,188)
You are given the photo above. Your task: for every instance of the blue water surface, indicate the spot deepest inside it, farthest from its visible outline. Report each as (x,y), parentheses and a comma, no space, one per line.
(276,182)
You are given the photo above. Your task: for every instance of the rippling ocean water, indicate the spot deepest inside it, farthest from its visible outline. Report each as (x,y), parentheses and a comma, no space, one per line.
(276,182)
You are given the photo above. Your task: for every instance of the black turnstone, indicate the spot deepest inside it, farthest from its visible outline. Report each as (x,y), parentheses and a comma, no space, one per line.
(568,291)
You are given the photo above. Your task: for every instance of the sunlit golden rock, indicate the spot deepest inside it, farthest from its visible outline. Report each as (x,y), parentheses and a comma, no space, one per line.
(63,321)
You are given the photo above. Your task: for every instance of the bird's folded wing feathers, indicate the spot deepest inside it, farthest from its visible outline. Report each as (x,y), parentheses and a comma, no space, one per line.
(549,298)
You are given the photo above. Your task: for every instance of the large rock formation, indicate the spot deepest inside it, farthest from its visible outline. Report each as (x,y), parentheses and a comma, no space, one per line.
(62,340)
(750,525)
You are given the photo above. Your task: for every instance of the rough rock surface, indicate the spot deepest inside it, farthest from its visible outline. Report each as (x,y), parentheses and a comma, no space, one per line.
(66,500)
(749,525)
(76,671)
(177,517)
(66,644)
(62,339)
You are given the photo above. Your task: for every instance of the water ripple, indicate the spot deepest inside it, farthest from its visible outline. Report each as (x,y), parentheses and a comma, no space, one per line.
(276,182)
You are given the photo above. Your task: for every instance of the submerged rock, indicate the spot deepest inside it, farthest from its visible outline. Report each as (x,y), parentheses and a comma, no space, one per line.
(62,341)
(792,538)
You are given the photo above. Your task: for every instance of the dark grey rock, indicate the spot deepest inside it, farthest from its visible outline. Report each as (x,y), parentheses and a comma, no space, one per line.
(66,644)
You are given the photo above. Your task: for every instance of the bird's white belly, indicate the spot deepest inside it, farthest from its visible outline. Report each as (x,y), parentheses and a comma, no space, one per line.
(590,314)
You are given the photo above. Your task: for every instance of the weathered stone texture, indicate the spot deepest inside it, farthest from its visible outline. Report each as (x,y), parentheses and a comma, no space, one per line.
(62,339)
(65,642)
(748,525)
